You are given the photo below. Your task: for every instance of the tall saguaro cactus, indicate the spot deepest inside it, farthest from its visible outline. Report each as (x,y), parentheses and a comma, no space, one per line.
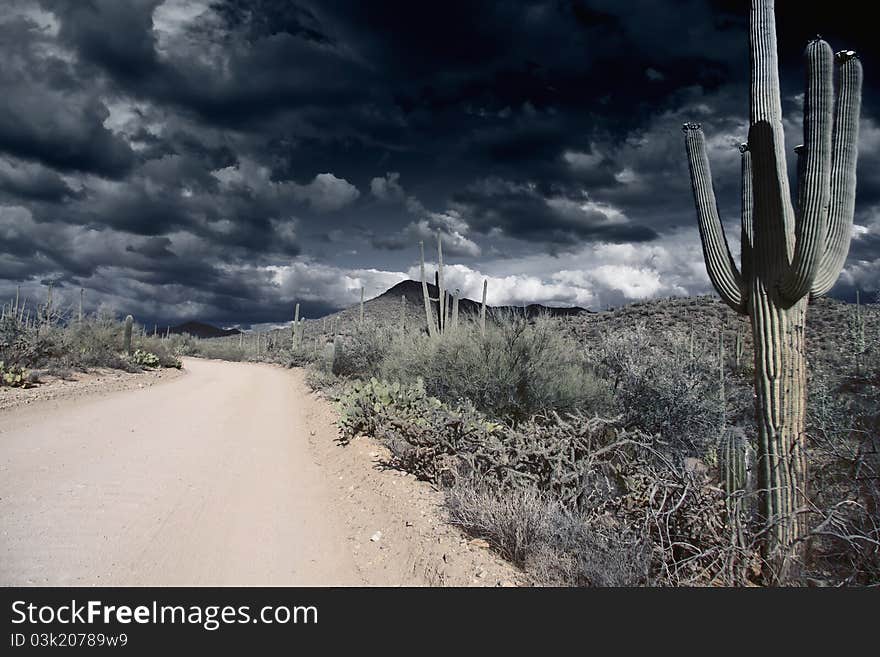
(429,313)
(788,254)
(483,308)
(441,290)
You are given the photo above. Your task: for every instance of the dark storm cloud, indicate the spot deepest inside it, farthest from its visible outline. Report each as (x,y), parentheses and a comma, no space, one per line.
(47,111)
(182,151)
(523,211)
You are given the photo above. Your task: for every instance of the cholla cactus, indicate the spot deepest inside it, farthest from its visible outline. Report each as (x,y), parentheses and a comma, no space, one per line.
(787,255)
(129,323)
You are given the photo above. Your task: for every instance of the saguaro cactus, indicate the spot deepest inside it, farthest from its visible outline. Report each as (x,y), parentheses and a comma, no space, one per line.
(429,313)
(362,307)
(787,255)
(441,290)
(293,328)
(129,322)
(483,308)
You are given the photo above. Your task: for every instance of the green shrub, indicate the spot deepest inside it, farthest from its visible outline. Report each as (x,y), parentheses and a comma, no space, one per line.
(661,387)
(360,354)
(519,368)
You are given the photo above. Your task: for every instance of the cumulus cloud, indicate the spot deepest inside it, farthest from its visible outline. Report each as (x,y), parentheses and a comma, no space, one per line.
(595,276)
(327,192)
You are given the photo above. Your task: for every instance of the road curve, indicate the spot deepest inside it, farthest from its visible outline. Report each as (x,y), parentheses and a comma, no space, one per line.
(204,480)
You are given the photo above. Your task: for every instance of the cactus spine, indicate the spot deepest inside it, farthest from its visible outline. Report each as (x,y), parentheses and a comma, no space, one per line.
(129,322)
(787,255)
(429,313)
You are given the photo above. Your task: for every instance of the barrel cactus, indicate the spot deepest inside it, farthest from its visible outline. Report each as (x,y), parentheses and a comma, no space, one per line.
(789,252)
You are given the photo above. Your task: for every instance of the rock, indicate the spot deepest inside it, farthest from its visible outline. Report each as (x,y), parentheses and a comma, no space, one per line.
(375,538)
(695,466)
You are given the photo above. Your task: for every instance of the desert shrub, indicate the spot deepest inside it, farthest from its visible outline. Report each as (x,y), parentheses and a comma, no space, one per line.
(844,469)
(162,349)
(555,546)
(220,349)
(662,387)
(568,495)
(302,356)
(519,368)
(360,354)
(323,380)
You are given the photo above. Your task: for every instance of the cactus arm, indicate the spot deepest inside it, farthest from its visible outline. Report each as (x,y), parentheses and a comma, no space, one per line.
(764,99)
(719,262)
(774,213)
(748,205)
(814,173)
(843,172)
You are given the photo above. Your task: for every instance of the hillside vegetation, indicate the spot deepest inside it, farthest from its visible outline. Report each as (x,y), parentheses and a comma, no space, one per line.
(612,448)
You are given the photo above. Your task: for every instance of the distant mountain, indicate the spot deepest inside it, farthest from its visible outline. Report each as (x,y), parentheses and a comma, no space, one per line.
(202,330)
(412,290)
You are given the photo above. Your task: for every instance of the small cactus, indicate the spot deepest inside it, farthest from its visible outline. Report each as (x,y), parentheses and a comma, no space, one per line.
(733,463)
(129,322)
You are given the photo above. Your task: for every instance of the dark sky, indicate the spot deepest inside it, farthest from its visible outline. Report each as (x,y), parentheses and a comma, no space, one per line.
(220,160)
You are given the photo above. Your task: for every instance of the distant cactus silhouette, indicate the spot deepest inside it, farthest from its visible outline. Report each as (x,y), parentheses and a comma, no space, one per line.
(788,254)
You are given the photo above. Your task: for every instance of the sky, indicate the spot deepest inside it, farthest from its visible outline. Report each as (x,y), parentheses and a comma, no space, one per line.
(221,160)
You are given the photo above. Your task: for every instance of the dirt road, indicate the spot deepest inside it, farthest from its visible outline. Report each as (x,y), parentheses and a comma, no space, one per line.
(227,475)
(204,480)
